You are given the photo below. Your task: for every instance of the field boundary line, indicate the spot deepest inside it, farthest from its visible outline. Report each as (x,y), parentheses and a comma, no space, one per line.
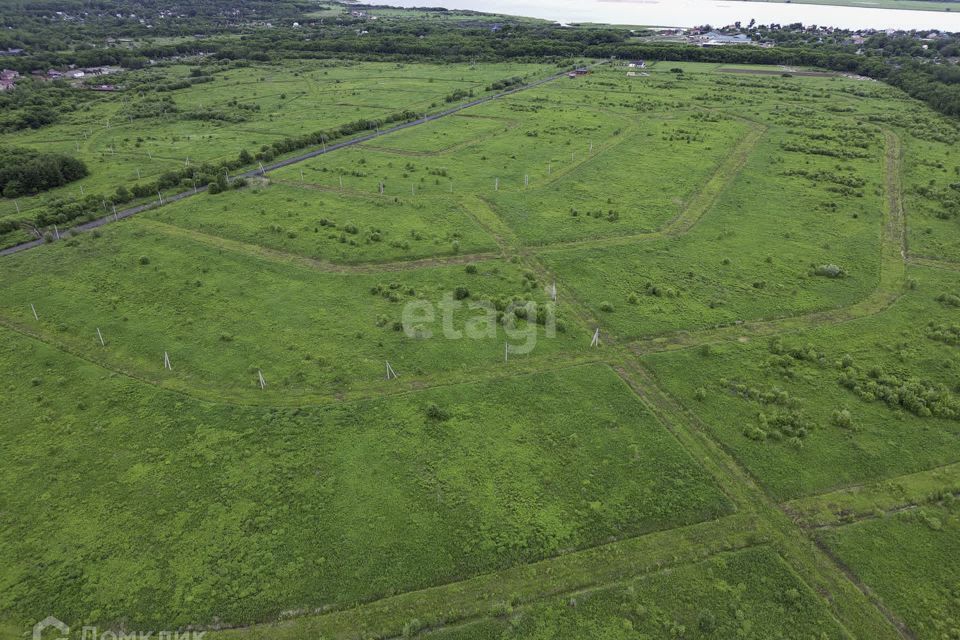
(701,202)
(840,506)
(486,595)
(317,264)
(934,263)
(890,287)
(838,589)
(367,390)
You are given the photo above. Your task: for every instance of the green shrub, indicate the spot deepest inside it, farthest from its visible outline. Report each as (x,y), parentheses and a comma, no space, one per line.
(842,419)
(949,299)
(434,412)
(829,271)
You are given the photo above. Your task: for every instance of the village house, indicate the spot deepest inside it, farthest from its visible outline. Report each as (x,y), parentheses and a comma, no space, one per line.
(8,78)
(714,39)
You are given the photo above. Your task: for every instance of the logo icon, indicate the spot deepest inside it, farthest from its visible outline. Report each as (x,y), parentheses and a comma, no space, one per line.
(50,623)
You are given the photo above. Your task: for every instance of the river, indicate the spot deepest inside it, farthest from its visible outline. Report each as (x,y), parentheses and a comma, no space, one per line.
(689,13)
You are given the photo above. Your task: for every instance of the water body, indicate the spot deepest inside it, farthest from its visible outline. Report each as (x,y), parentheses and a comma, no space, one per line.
(691,13)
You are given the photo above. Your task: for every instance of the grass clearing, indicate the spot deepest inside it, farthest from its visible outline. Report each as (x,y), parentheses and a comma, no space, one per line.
(740,234)
(339,227)
(223,315)
(751,257)
(205,512)
(264,103)
(746,594)
(908,559)
(790,388)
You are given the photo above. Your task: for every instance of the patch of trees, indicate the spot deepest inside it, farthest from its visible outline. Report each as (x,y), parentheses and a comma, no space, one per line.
(25,171)
(947,334)
(829,271)
(814,150)
(948,199)
(854,182)
(949,299)
(33,105)
(920,397)
(508,83)
(458,95)
(182,84)
(781,417)
(288,145)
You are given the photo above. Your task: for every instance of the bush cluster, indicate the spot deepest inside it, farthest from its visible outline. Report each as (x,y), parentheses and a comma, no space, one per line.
(947,334)
(25,171)
(920,397)
(829,271)
(949,299)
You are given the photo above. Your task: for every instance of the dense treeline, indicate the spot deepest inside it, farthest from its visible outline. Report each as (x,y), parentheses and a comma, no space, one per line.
(25,171)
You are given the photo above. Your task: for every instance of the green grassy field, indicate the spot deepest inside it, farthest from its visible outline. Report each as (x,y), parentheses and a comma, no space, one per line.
(908,560)
(768,264)
(749,594)
(263,510)
(281,100)
(730,386)
(342,227)
(223,315)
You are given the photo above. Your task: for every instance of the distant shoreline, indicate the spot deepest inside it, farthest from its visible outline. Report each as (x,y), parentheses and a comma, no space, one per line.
(919,15)
(944,6)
